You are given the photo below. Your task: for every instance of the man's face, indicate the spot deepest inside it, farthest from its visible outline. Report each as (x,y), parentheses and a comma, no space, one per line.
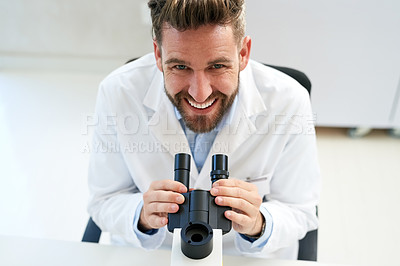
(201,72)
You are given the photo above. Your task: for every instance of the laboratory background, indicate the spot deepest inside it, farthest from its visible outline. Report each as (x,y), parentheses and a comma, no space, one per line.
(54,53)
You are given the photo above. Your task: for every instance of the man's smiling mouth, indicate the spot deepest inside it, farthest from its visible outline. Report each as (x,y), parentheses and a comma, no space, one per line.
(201,105)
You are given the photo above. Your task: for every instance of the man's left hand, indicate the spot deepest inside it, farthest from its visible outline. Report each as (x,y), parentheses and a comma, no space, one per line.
(245,202)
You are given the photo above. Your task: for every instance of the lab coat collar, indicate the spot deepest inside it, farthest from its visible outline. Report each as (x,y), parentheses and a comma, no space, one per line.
(156,93)
(249,95)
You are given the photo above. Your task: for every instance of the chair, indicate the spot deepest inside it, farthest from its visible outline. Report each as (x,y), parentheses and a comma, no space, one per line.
(297,75)
(92,232)
(307,245)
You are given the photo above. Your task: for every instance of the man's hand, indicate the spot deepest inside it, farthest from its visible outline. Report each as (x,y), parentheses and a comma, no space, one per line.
(162,198)
(245,202)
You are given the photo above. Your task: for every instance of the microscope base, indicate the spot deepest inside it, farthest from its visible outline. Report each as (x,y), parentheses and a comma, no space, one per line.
(214,259)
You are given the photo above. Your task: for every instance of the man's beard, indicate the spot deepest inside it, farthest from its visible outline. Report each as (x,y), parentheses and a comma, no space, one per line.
(203,123)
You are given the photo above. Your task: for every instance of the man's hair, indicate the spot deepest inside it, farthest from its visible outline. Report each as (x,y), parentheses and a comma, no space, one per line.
(191,14)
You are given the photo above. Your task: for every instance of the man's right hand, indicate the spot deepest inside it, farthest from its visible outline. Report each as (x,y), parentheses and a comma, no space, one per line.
(162,198)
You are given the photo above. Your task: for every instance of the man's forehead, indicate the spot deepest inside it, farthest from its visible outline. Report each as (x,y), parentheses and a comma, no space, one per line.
(206,38)
(208,29)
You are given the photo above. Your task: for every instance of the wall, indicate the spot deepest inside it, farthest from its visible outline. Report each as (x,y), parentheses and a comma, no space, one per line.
(62,32)
(349,48)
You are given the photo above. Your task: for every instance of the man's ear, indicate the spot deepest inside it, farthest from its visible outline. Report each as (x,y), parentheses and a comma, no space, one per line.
(157,53)
(244,52)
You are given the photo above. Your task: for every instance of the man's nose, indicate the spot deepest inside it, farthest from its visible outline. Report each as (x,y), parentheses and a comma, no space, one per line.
(200,87)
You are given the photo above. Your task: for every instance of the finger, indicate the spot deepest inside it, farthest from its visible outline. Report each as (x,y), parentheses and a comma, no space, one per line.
(238,218)
(245,224)
(163,196)
(235,183)
(168,185)
(161,208)
(237,192)
(239,204)
(157,221)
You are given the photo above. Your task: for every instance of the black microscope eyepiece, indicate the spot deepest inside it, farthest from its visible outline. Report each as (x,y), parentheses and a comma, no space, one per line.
(219,167)
(182,161)
(182,168)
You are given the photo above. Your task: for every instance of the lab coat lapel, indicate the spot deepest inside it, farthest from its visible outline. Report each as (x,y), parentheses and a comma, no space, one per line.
(250,104)
(232,136)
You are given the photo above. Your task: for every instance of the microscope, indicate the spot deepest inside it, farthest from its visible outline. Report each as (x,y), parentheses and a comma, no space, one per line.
(199,223)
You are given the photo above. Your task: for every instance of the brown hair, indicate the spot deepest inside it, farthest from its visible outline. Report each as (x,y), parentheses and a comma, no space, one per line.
(191,14)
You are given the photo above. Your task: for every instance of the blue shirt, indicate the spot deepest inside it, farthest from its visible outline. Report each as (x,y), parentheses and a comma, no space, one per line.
(201,143)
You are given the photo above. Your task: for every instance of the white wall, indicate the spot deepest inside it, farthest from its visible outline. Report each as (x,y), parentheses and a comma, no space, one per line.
(349,49)
(49,32)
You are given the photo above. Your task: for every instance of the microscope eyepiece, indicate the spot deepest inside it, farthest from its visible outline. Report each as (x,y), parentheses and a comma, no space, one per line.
(219,167)
(182,161)
(182,168)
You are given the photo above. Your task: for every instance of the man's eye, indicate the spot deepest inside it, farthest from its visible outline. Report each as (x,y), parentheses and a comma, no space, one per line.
(218,66)
(180,67)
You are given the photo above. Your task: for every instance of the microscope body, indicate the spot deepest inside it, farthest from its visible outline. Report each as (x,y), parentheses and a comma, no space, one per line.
(200,206)
(179,259)
(199,215)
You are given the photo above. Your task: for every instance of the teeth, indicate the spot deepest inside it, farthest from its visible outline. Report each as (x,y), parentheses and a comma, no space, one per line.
(201,106)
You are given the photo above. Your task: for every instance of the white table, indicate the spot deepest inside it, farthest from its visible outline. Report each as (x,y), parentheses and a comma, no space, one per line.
(42,252)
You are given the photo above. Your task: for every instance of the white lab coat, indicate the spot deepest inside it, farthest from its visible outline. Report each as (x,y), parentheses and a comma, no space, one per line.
(270,142)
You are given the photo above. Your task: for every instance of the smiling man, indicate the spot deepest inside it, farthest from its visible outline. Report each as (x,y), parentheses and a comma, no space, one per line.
(201,72)
(199,93)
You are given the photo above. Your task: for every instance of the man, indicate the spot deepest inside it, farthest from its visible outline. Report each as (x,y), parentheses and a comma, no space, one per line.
(199,93)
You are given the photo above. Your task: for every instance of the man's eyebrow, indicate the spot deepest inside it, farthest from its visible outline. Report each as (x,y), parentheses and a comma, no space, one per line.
(183,62)
(220,60)
(176,61)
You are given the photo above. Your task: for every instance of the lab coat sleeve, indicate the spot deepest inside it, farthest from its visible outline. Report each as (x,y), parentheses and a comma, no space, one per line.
(114,199)
(294,191)
(295,186)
